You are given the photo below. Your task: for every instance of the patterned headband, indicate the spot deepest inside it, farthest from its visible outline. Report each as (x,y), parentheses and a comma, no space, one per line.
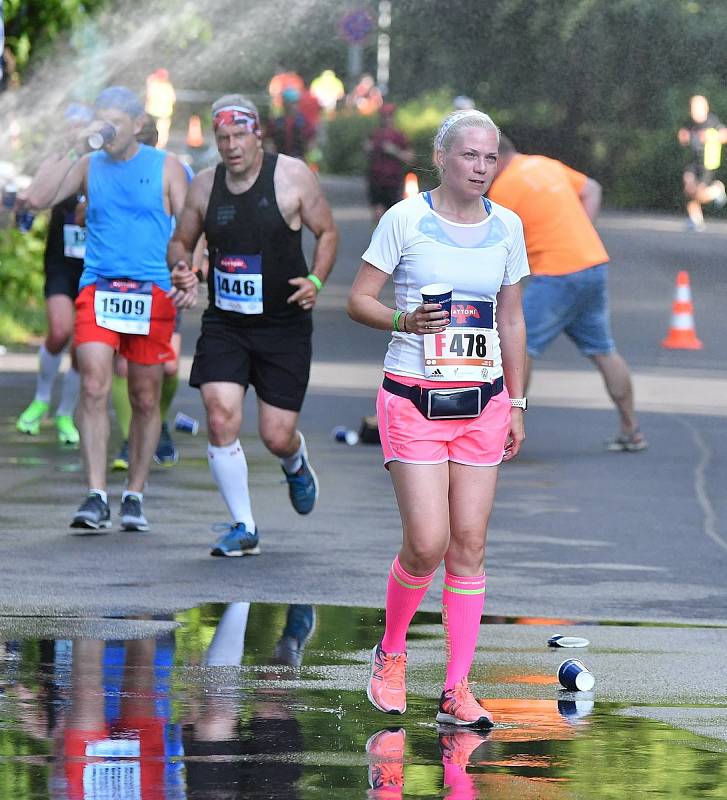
(451,120)
(236,115)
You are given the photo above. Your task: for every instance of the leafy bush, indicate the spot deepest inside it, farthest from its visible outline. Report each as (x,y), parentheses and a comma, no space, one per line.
(344,138)
(21,281)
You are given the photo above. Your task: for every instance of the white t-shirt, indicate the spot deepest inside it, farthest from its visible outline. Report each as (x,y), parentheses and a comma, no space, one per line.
(417,247)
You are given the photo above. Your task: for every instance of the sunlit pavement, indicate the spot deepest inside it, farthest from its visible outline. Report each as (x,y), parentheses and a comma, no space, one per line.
(578,534)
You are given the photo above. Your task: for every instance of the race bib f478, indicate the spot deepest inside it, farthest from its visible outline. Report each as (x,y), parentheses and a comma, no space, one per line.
(468,349)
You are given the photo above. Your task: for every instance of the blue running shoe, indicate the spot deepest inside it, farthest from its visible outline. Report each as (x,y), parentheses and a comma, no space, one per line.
(166,453)
(299,627)
(303,487)
(236,540)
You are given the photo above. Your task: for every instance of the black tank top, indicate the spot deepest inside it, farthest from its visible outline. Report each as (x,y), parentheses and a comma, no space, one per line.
(60,215)
(250,224)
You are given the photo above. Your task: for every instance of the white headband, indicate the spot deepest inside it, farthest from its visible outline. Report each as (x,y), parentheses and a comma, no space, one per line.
(451,120)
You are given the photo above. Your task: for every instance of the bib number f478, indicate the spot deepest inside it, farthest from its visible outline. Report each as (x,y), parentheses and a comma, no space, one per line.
(467,349)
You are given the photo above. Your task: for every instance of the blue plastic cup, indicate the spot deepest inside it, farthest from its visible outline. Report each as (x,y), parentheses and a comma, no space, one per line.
(438,293)
(186,424)
(343,434)
(575,710)
(575,675)
(24,220)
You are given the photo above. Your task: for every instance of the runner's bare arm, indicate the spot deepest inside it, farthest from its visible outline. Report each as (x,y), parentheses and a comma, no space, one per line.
(315,214)
(511,327)
(56,180)
(176,185)
(365,307)
(189,228)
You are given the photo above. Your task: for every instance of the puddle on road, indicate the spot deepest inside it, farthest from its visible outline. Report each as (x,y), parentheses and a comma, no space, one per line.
(266,701)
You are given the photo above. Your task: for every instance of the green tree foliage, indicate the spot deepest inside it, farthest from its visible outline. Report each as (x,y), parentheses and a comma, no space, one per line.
(32,25)
(603,84)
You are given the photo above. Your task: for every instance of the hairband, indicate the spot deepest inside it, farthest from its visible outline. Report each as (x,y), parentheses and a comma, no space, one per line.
(451,121)
(236,115)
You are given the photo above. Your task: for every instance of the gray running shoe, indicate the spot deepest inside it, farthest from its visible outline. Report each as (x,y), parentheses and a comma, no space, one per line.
(93,513)
(132,517)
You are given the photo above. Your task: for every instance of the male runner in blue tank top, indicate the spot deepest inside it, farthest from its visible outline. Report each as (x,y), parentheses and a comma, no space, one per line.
(132,191)
(257,328)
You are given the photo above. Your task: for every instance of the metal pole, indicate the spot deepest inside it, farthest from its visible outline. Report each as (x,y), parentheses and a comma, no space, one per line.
(383,45)
(2,40)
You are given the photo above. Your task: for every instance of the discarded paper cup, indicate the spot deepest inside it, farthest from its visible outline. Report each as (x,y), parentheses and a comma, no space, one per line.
(575,675)
(186,424)
(438,293)
(567,641)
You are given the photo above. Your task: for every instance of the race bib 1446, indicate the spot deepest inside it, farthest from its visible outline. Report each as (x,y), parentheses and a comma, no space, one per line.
(239,283)
(468,349)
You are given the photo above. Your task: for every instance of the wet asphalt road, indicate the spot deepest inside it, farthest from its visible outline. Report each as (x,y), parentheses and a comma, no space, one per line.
(577,533)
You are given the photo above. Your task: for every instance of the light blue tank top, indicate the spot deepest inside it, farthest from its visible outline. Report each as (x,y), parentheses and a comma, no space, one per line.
(128,226)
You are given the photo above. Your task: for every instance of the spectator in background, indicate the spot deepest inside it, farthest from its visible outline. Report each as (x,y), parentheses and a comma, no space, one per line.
(328,89)
(282,80)
(388,151)
(291,134)
(567,292)
(365,97)
(704,135)
(160,100)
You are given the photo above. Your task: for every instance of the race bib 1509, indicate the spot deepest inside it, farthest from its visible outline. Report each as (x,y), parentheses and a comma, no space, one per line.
(123,305)
(468,349)
(239,283)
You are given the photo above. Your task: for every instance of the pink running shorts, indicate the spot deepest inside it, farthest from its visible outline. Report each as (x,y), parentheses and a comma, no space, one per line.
(408,436)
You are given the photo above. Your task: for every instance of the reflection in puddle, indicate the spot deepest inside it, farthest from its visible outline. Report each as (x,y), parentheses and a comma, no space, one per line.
(267,701)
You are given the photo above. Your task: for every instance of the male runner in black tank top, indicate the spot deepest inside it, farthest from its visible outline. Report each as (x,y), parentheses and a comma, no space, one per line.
(257,327)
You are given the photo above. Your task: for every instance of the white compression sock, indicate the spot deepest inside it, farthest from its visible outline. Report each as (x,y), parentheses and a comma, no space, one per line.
(47,371)
(291,464)
(69,393)
(228,644)
(228,466)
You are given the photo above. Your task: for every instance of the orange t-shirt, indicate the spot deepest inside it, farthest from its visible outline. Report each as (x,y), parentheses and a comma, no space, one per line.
(544,193)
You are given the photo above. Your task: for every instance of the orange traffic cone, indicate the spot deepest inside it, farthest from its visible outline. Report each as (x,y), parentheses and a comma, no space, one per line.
(411,185)
(682,334)
(194,132)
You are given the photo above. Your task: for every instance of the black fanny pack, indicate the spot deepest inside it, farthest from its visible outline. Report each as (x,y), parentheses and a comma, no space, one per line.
(465,403)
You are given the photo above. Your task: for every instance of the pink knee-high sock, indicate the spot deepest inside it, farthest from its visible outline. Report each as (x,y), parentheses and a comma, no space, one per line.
(463,599)
(404,593)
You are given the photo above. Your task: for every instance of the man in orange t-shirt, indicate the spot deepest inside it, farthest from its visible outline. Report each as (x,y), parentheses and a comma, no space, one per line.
(567,292)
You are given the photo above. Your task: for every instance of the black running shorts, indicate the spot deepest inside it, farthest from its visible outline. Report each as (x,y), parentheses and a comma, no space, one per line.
(274,359)
(62,277)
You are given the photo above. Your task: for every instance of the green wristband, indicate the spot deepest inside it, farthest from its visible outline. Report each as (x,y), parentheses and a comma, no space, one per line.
(397,314)
(316,281)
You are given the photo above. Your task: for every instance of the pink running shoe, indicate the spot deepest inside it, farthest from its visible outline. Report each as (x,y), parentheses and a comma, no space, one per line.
(387,684)
(386,763)
(457,706)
